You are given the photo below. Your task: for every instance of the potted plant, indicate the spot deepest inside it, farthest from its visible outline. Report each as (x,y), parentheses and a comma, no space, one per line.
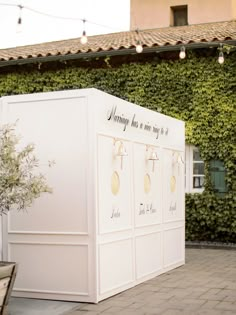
(20,185)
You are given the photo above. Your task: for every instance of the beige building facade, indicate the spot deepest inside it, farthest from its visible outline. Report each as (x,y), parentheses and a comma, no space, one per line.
(148,14)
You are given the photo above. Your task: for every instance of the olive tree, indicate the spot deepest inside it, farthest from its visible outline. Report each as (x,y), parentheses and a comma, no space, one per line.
(20,183)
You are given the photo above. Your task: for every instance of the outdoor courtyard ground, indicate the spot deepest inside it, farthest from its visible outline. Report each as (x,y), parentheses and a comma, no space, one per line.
(205,285)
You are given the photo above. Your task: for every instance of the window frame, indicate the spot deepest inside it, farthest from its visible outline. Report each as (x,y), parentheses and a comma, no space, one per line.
(189,167)
(217,168)
(174,10)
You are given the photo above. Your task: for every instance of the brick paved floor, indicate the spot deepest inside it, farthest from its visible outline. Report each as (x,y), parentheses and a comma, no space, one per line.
(206,285)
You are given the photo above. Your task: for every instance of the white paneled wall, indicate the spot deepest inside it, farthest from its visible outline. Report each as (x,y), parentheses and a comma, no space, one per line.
(116,215)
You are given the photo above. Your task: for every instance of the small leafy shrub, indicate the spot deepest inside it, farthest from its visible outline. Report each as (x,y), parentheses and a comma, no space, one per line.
(19,183)
(210,218)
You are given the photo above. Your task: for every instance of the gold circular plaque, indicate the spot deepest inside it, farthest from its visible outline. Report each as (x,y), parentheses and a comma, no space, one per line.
(172,183)
(115,183)
(147,183)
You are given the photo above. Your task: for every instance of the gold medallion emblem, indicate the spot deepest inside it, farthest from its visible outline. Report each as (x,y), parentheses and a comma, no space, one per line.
(115,183)
(147,183)
(172,184)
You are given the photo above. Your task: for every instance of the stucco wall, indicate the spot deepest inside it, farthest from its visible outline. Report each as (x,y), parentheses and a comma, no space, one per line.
(234,9)
(157,13)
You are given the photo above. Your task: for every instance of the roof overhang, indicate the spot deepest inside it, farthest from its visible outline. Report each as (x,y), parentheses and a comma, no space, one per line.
(110,53)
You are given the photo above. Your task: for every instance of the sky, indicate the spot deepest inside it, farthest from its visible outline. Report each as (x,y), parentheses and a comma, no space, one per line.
(37,28)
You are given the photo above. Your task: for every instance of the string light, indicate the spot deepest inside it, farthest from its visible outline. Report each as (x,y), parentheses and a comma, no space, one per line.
(19,21)
(221,58)
(182,53)
(138,47)
(84,38)
(57,16)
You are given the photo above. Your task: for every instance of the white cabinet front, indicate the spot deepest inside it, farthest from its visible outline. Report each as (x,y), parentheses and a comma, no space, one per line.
(114,185)
(147,184)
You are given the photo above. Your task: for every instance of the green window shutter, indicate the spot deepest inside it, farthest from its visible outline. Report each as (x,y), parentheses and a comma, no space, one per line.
(217,171)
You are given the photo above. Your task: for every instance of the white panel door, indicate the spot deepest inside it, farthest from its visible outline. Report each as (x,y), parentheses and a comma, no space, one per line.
(148,253)
(147,185)
(58,133)
(115,265)
(114,185)
(51,240)
(173,246)
(173,182)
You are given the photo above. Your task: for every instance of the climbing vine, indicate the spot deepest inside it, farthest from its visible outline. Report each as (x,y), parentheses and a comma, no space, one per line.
(197,90)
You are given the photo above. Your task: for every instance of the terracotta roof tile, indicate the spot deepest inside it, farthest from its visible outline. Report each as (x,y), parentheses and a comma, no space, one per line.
(191,34)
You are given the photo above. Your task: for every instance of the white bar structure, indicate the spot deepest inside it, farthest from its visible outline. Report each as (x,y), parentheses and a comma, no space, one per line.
(116,215)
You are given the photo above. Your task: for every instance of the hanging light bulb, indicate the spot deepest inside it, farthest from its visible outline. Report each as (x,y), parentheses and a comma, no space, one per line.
(182,53)
(84,38)
(221,58)
(19,25)
(19,21)
(139,47)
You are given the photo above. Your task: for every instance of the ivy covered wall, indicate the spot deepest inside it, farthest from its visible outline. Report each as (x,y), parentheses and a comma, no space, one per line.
(197,90)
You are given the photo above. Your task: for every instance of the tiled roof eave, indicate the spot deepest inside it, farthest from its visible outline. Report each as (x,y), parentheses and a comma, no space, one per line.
(113,52)
(164,39)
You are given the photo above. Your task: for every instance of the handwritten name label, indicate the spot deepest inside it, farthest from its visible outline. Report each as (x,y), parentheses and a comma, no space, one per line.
(172,207)
(145,209)
(120,118)
(115,213)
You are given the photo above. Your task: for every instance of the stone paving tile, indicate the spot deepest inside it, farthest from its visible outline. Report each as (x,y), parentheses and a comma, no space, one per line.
(193,302)
(95,307)
(114,310)
(209,304)
(173,312)
(134,306)
(131,312)
(228,306)
(181,293)
(230,299)
(152,310)
(81,312)
(206,285)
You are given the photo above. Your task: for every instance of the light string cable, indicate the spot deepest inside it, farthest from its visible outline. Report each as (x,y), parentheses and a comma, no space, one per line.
(57,16)
(139,46)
